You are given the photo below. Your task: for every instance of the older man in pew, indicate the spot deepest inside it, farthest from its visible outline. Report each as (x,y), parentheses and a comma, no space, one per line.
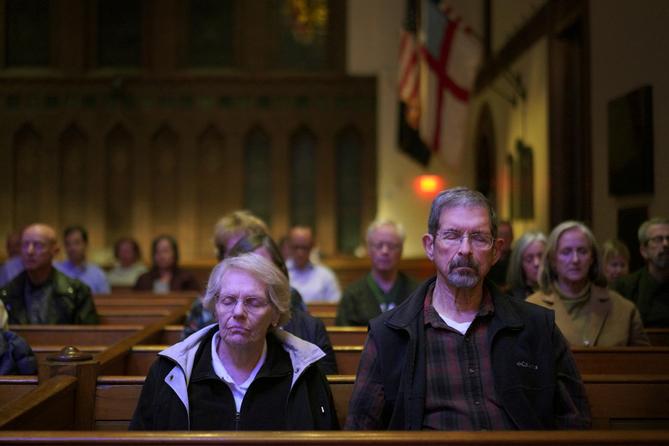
(385,286)
(41,294)
(458,354)
(244,372)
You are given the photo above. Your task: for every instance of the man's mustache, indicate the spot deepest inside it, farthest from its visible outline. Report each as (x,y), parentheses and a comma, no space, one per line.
(463,262)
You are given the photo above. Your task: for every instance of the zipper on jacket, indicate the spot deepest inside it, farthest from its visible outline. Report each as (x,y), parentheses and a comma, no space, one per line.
(237,417)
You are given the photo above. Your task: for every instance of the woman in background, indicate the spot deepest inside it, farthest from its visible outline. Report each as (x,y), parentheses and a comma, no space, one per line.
(616,260)
(587,313)
(523,274)
(165,274)
(129,265)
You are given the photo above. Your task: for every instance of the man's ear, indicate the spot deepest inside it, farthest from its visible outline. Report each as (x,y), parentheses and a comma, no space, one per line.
(428,245)
(497,246)
(642,250)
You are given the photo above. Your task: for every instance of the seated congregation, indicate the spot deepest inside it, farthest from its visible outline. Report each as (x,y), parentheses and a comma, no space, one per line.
(559,354)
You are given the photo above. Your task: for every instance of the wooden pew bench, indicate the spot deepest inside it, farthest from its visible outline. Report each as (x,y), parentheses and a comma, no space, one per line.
(658,336)
(382,438)
(15,386)
(111,302)
(74,334)
(617,401)
(138,315)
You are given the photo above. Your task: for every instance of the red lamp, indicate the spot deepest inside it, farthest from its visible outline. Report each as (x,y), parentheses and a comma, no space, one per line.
(427,186)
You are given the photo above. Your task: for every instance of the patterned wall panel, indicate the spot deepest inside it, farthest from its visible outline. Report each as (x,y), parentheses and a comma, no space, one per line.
(28,153)
(258,174)
(348,153)
(164,165)
(211,182)
(303,178)
(72,150)
(119,187)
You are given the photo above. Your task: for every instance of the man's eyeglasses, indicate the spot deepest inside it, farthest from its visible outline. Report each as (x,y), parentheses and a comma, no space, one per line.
(390,246)
(658,239)
(478,240)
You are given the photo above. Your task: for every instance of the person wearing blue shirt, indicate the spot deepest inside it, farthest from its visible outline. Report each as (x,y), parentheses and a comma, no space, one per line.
(76,266)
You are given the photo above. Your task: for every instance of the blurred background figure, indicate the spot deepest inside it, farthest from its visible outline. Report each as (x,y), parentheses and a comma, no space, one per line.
(16,356)
(13,265)
(128,266)
(76,266)
(498,272)
(315,282)
(232,227)
(165,274)
(41,294)
(385,286)
(615,260)
(648,287)
(522,277)
(571,284)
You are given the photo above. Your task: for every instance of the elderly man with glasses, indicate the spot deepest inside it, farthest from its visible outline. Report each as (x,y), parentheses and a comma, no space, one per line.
(384,287)
(459,355)
(648,287)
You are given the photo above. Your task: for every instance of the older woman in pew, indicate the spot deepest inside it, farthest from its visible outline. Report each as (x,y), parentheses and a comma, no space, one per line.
(522,276)
(243,372)
(570,281)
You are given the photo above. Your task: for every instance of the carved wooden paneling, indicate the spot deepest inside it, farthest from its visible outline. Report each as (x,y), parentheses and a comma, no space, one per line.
(28,153)
(73,148)
(258,171)
(302,178)
(164,165)
(119,146)
(211,190)
(348,186)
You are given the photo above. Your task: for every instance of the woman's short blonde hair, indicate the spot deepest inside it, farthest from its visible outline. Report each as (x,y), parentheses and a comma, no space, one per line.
(264,271)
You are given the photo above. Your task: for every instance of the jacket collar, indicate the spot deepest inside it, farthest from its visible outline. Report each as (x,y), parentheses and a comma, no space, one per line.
(404,314)
(302,353)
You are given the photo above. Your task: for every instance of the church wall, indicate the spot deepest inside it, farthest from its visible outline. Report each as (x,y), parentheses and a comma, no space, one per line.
(629,42)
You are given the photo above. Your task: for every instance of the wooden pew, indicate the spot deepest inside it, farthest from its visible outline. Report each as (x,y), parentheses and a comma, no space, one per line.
(74,334)
(15,386)
(316,307)
(50,405)
(616,401)
(383,438)
(138,315)
(328,317)
(658,336)
(622,360)
(123,302)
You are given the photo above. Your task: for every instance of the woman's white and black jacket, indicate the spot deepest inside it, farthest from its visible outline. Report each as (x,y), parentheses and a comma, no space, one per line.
(181,391)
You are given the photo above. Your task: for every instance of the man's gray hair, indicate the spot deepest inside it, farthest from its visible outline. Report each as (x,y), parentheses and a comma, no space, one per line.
(264,271)
(643,229)
(376,224)
(547,274)
(460,197)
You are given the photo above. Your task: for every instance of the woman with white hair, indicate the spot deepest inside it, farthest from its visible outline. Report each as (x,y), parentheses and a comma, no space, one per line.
(242,372)
(571,283)
(522,276)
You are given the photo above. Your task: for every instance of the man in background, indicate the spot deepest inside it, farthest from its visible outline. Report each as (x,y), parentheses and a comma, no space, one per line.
(384,287)
(76,266)
(315,282)
(648,287)
(13,265)
(41,294)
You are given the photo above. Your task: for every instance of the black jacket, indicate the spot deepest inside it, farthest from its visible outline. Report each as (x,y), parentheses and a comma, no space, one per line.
(535,375)
(650,296)
(179,394)
(70,301)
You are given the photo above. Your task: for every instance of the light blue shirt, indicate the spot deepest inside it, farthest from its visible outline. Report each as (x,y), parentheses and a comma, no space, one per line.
(87,273)
(316,283)
(10,269)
